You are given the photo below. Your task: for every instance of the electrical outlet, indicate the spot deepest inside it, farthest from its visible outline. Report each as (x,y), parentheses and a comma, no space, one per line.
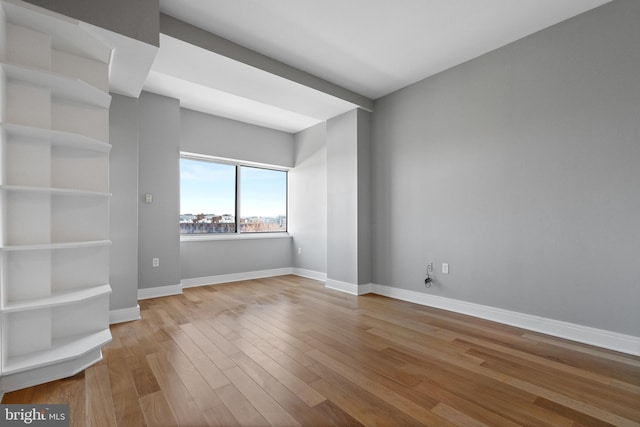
(156,262)
(299,251)
(429,268)
(445,268)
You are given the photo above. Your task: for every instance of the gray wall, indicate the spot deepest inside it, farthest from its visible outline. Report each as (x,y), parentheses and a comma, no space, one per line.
(520,169)
(206,258)
(123,182)
(216,136)
(158,231)
(139,19)
(348,198)
(308,200)
(342,198)
(364,197)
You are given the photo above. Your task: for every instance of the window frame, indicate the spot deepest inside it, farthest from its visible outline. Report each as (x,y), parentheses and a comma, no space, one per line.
(237,234)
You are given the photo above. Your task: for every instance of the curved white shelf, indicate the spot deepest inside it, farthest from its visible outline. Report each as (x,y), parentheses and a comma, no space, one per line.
(60,86)
(50,246)
(56,137)
(57,299)
(60,351)
(54,191)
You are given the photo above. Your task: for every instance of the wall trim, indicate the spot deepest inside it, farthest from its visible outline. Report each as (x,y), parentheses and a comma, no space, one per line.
(124,315)
(234,277)
(337,285)
(583,334)
(309,274)
(46,373)
(160,291)
(349,288)
(365,289)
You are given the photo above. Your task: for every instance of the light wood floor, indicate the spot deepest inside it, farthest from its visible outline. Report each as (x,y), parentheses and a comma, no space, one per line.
(287,351)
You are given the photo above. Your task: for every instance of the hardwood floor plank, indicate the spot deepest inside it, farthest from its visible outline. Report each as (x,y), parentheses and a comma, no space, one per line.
(251,340)
(125,396)
(266,406)
(295,406)
(207,369)
(135,358)
(183,406)
(456,417)
(538,360)
(615,401)
(576,405)
(220,416)
(217,348)
(241,409)
(360,404)
(276,340)
(373,361)
(487,392)
(288,351)
(577,347)
(334,416)
(157,412)
(370,384)
(288,379)
(575,416)
(468,406)
(99,399)
(202,393)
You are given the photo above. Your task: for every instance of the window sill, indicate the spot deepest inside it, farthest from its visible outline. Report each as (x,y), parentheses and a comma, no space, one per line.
(232,236)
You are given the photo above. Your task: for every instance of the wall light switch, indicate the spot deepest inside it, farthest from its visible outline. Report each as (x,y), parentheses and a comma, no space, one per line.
(445,268)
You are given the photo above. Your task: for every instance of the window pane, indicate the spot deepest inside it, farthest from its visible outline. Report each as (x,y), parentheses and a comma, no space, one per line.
(207,197)
(263,200)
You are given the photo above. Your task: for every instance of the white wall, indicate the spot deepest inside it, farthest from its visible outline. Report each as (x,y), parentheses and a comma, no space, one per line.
(520,169)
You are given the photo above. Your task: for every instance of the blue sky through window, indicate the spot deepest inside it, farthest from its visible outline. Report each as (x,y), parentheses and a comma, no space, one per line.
(209,188)
(263,192)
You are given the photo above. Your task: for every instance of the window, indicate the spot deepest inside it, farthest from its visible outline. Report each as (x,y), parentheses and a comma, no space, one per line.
(263,200)
(217,197)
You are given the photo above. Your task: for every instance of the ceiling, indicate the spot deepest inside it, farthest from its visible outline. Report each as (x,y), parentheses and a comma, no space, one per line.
(371,47)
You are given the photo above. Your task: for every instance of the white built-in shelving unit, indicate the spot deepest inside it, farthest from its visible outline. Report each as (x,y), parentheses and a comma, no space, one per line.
(54,192)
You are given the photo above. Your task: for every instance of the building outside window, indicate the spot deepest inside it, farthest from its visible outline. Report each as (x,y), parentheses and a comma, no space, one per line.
(220,197)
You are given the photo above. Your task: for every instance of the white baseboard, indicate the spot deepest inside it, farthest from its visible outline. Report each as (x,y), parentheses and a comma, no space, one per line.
(598,337)
(337,285)
(235,277)
(309,274)
(584,334)
(160,291)
(365,289)
(124,315)
(46,373)
(349,288)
